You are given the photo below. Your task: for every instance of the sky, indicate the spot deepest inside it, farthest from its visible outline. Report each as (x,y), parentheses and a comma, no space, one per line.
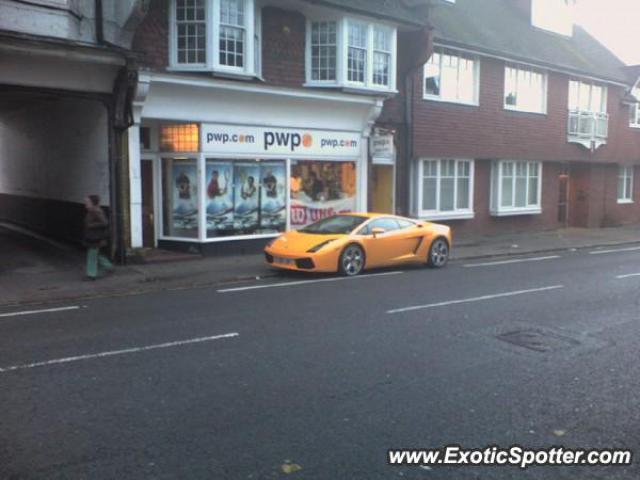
(614,23)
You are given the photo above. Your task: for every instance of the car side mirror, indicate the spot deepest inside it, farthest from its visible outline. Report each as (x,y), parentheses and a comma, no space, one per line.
(377,231)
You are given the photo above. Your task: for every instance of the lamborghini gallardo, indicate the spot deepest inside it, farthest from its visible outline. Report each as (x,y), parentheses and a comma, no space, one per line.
(353,242)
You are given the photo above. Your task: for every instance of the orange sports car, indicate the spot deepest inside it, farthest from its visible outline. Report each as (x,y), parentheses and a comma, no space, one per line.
(352,242)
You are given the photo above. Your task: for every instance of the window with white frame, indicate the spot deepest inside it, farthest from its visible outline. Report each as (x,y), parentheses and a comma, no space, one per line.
(587,97)
(634,109)
(351,53)
(625,184)
(445,188)
(525,90)
(516,187)
(323,51)
(452,77)
(215,35)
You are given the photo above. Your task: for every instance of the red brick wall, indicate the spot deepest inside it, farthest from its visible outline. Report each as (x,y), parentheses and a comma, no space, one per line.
(151,40)
(283,43)
(283,47)
(490,131)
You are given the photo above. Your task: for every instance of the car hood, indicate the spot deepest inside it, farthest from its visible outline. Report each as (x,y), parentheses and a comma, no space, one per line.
(298,242)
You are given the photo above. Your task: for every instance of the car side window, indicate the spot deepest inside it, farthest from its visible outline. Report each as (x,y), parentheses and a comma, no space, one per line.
(389,224)
(404,223)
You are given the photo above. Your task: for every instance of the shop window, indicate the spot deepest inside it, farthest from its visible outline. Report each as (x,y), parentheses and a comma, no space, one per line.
(445,189)
(145,138)
(180,197)
(351,53)
(180,138)
(451,77)
(321,189)
(516,187)
(625,184)
(245,197)
(525,90)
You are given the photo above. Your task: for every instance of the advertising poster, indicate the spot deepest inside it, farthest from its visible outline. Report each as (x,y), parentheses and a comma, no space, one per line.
(185,197)
(246,186)
(273,207)
(321,189)
(219,184)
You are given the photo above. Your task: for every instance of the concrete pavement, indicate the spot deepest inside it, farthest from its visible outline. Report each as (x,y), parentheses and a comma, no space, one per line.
(35,270)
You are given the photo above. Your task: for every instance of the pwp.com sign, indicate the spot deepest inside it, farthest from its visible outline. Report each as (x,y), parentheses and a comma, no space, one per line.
(290,143)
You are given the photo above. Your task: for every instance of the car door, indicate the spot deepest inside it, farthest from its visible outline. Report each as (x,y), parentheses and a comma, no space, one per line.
(385,248)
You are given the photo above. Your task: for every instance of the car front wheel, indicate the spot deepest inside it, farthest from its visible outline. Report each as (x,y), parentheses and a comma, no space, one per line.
(351,260)
(438,253)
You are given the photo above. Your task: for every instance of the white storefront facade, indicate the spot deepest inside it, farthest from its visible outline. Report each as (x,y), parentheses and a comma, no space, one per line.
(219,165)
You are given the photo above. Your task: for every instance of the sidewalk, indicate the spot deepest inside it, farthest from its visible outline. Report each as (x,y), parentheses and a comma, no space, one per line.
(34,270)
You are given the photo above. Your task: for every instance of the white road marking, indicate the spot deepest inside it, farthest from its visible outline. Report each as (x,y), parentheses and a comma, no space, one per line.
(475,299)
(515,260)
(304,282)
(628,275)
(45,310)
(112,353)
(628,249)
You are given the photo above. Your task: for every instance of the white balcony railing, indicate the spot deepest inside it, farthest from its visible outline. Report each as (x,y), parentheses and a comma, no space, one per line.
(590,129)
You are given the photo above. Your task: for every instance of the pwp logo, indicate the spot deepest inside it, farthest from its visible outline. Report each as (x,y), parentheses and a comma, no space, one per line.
(287,140)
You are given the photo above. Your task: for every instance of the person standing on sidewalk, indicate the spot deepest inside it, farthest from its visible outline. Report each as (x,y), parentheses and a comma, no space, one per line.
(96,233)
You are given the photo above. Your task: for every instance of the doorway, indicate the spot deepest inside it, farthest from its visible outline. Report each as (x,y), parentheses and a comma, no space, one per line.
(383,189)
(148,207)
(563,196)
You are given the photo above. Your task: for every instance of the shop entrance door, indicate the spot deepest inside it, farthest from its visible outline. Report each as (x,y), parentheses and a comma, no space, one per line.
(383,188)
(148,210)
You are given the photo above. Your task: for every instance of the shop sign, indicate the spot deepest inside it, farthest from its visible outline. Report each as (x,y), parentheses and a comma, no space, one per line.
(383,149)
(292,143)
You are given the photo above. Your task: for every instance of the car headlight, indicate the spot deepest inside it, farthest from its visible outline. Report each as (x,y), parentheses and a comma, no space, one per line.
(268,245)
(319,246)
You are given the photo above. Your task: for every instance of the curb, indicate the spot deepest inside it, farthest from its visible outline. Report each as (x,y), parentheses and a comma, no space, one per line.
(156,285)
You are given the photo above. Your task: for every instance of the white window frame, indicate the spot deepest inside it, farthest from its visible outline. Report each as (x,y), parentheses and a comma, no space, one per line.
(634,109)
(625,173)
(251,64)
(437,214)
(476,77)
(603,100)
(545,82)
(342,55)
(497,209)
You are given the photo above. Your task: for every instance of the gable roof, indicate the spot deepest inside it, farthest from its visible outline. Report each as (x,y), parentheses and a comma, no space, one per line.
(409,12)
(499,27)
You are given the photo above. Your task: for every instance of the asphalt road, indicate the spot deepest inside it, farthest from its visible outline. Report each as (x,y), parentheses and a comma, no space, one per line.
(323,375)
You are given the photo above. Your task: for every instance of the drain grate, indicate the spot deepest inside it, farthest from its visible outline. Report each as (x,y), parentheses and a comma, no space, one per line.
(538,340)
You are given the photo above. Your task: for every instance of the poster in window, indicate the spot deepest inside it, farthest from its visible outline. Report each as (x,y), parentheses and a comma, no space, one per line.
(219,186)
(184,207)
(246,196)
(321,189)
(273,213)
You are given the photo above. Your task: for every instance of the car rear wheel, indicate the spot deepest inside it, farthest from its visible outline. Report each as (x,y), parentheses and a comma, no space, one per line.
(351,260)
(438,253)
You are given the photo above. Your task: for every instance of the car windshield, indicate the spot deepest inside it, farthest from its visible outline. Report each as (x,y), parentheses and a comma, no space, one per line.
(338,224)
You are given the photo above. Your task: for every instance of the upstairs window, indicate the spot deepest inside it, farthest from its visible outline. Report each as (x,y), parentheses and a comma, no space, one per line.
(351,53)
(587,97)
(625,185)
(634,110)
(451,77)
(215,35)
(323,51)
(525,90)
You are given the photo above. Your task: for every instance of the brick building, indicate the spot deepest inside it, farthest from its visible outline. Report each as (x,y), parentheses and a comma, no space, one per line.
(255,116)
(518,121)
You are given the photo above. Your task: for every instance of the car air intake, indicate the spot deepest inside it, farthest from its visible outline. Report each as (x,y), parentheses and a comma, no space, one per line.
(305,263)
(268,257)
